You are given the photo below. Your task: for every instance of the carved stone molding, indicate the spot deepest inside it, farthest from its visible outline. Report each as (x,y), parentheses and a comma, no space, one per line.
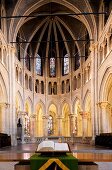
(93,46)
(4,105)
(59,117)
(104,104)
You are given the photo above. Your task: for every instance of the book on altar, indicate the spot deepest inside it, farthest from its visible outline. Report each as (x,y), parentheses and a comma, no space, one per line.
(51,146)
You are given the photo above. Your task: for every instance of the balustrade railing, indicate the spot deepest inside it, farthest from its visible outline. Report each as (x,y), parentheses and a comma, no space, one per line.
(38,140)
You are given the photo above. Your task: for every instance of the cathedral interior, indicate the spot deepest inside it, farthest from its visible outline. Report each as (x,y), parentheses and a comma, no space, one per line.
(55,69)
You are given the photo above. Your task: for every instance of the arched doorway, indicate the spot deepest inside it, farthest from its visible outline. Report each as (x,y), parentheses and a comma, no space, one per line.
(39,121)
(52,121)
(65,120)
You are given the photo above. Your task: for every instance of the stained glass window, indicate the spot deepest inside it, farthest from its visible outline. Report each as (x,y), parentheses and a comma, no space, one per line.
(66,64)
(38,65)
(52,67)
(50,125)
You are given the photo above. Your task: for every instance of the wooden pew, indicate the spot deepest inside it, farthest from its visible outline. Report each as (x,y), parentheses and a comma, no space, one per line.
(5,140)
(104,139)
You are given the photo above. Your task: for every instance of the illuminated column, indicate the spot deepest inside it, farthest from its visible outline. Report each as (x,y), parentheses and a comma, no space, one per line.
(94,89)
(89,71)
(58,71)
(104,117)
(59,86)
(84,123)
(81,113)
(32,125)
(103,47)
(70,73)
(4,117)
(72,124)
(109,107)
(1,52)
(12,85)
(100,58)
(108,42)
(86,74)
(59,118)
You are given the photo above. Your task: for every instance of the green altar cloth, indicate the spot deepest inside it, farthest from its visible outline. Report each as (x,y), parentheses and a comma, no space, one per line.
(38,160)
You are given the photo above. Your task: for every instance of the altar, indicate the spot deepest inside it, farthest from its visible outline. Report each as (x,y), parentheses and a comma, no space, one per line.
(81,166)
(64,162)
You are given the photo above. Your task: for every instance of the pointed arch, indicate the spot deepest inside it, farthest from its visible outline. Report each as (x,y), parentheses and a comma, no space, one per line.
(28,106)
(105,84)
(65,119)
(55,104)
(67,101)
(52,112)
(19,101)
(39,130)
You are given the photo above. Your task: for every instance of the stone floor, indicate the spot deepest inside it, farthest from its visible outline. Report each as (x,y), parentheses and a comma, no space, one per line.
(104,165)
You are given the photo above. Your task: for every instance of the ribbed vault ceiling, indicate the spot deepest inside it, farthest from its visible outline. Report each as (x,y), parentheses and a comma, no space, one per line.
(61,29)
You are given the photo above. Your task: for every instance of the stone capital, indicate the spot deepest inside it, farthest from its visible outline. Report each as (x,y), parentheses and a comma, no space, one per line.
(4,105)
(93,46)
(71,115)
(45,117)
(104,105)
(85,115)
(59,117)
(108,35)
(33,116)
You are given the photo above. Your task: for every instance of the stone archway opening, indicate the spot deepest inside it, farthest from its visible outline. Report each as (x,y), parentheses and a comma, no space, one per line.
(66,120)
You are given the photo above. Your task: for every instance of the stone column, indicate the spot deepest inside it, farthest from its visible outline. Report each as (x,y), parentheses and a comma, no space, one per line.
(5,117)
(32,125)
(100,53)
(72,124)
(58,86)
(12,86)
(94,89)
(84,123)
(58,69)
(104,117)
(59,118)
(71,75)
(86,70)
(109,107)
(2,52)
(108,42)
(103,47)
